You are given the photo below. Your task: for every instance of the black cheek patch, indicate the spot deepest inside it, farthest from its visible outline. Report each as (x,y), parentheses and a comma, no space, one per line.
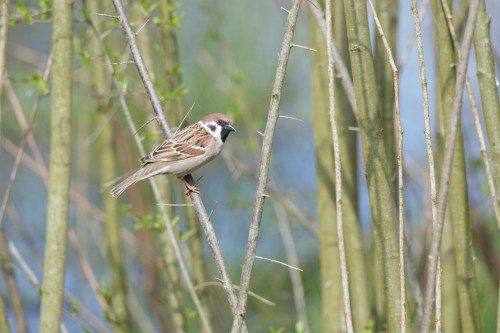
(212,128)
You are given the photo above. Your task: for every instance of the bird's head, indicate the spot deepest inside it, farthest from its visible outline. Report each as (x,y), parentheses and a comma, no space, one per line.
(219,123)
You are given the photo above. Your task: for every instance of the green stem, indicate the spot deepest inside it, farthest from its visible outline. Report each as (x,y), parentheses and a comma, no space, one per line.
(60,168)
(376,164)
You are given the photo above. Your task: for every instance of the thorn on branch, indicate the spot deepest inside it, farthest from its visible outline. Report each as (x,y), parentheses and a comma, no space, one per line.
(304,47)
(144,125)
(286,10)
(293,118)
(142,26)
(120,63)
(279,262)
(108,15)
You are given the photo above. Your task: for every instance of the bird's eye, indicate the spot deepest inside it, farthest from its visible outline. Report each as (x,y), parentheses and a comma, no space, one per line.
(220,122)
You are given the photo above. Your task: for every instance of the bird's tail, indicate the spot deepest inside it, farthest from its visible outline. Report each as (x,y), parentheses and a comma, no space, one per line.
(139,175)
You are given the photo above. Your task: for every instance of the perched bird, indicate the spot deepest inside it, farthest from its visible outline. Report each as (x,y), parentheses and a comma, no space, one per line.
(186,151)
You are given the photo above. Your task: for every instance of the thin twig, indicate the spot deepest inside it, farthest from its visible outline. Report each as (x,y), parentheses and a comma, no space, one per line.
(338,170)
(196,199)
(291,256)
(166,130)
(4,29)
(144,125)
(141,68)
(304,47)
(477,121)
(236,287)
(340,67)
(27,131)
(87,271)
(400,166)
(239,167)
(447,163)
(81,201)
(430,155)
(264,167)
(280,262)
(406,53)
(109,16)
(293,118)
(142,26)
(24,265)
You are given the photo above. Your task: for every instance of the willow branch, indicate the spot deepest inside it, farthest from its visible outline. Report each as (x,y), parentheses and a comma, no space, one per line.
(24,140)
(340,67)
(291,258)
(338,169)
(272,119)
(447,163)
(196,199)
(428,141)
(400,167)
(4,29)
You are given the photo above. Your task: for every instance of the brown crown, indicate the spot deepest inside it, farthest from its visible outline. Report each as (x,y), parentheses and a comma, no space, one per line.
(216,117)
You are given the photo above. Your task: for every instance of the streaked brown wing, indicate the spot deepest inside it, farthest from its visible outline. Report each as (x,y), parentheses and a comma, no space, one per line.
(187,143)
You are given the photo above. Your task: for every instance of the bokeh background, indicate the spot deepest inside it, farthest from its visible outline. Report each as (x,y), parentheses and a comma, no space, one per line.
(228,55)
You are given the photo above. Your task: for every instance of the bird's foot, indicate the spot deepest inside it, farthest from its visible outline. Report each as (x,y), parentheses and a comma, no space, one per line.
(190,188)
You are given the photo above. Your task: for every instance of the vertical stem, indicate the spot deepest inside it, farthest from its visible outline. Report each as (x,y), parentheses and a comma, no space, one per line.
(338,170)
(173,287)
(196,199)
(291,259)
(354,245)
(428,141)
(13,291)
(6,265)
(272,119)
(60,168)
(450,147)
(489,92)
(378,179)
(4,29)
(121,316)
(331,292)
(387,11)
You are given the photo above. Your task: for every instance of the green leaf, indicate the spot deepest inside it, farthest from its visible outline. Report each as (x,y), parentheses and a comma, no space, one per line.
(273,330)
(45,9)
(25,12)
(191,313)
(74,306)
(40,84)
(300,327)
(123,82)
(175,220)
(188,234)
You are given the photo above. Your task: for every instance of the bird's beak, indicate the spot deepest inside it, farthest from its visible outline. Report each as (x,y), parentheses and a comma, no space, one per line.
(230,128)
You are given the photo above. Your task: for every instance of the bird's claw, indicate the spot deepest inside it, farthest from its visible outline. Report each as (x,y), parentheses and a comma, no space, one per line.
(190,188)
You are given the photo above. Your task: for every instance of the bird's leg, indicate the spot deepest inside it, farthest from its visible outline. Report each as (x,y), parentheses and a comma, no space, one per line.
(190,188)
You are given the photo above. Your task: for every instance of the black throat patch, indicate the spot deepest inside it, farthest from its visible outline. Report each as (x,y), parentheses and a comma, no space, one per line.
(224,133)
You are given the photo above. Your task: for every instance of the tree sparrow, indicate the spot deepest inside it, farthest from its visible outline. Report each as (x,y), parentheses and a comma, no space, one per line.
(184,152)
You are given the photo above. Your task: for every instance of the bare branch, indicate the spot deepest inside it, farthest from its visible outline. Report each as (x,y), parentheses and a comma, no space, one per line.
(430,155)
(400,167)
(338,169)
(279,262)
(196,199)
(343,73)
(264,167)
(447,163)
